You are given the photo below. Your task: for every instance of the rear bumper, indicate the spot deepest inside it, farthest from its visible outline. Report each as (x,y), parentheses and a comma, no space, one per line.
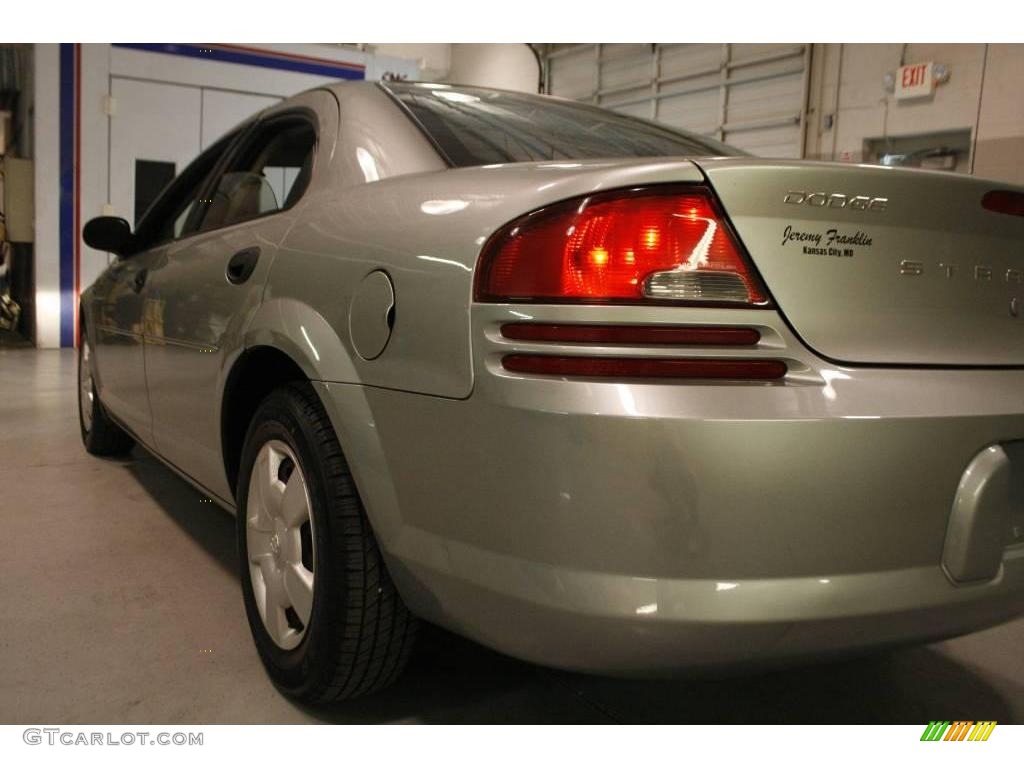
(637,527)
(637,626)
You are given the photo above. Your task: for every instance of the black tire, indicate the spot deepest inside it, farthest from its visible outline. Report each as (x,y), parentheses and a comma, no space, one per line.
(360,634)
(101,436)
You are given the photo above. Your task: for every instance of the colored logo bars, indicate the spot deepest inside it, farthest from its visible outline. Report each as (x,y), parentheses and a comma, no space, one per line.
(960,730)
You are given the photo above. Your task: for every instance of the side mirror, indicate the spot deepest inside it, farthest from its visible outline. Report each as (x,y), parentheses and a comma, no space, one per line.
(108,233)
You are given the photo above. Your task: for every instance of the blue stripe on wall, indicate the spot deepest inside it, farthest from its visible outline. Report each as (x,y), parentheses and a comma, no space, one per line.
(269,60)
(66,214)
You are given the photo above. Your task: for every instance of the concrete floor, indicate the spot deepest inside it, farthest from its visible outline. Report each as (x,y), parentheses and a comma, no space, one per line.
(119,604)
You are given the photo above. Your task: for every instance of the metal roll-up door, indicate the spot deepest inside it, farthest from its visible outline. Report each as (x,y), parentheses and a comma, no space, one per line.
(752,96)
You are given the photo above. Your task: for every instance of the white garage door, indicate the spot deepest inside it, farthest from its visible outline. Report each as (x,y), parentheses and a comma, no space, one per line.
(752,96)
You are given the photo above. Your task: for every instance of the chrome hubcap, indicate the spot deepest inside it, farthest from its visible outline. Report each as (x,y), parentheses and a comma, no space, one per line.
(279,539)
(85,393)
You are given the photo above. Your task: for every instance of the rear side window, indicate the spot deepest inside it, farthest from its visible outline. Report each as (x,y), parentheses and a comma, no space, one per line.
(268,173)
(479,126)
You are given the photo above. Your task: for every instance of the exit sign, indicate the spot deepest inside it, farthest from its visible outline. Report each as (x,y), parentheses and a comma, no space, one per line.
(914,80)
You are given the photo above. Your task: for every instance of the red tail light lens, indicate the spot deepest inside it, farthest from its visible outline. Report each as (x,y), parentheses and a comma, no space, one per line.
(655,244)
(1004,201)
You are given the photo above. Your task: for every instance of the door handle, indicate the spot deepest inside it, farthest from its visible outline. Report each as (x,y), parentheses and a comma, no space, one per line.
(140,280)
(242,265)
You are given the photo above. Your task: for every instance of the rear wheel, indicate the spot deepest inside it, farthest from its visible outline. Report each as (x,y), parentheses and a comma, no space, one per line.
(326,619)
(100,435)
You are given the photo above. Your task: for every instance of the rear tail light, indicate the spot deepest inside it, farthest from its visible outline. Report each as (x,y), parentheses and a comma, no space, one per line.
(645,368)
(1004,201)
(660,244)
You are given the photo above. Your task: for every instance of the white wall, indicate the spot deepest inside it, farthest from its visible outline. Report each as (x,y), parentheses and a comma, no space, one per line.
(496,65)
(433,59)
(512,66)
(983,94)
(47,195)
(999,150)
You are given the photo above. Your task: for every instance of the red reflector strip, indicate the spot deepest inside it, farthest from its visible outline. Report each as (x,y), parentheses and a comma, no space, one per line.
(1004,201)
(643,368)
(631,334)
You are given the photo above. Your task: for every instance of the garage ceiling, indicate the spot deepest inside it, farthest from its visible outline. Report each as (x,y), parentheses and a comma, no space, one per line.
(749,95)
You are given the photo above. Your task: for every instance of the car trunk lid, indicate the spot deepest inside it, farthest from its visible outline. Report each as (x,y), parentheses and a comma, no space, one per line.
(881,265)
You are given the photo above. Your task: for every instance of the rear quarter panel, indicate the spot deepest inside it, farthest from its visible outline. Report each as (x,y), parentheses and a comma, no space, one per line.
(425,231)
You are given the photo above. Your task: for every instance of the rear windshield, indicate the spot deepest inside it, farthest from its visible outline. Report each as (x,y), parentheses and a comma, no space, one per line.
(480,126)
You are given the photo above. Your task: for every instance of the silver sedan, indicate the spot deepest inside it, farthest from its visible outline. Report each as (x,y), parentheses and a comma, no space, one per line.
(596,393)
